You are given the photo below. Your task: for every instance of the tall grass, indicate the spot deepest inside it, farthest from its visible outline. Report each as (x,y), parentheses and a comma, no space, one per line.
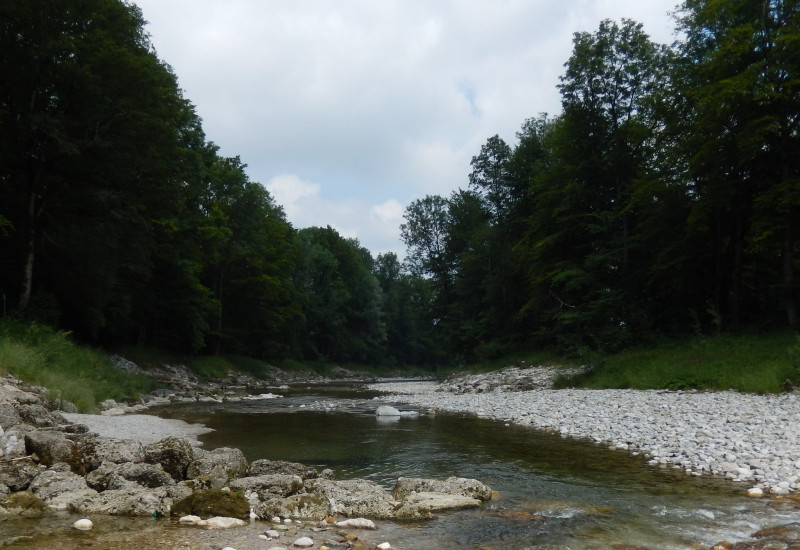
(757,363)
(40,355)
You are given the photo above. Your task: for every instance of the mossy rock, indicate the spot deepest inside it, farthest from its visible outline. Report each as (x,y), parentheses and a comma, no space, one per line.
(25,504)
(213,502)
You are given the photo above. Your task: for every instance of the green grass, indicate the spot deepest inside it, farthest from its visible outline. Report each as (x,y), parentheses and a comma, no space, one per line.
(39,355)
(757,363)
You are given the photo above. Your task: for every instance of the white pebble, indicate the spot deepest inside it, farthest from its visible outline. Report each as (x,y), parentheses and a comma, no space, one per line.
(83,524)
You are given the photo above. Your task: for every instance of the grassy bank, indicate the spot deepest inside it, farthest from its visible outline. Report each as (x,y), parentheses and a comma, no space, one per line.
(758,363)
(84,376)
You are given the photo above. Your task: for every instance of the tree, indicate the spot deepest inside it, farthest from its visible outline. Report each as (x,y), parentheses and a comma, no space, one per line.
(490,177)
(343,311)
(740,75)
(580,248)
(89,123)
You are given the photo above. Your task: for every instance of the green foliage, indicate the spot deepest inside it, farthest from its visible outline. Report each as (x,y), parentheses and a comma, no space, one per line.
(748,362)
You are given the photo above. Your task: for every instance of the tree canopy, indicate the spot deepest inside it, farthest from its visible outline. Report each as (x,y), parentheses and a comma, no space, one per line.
(661,200)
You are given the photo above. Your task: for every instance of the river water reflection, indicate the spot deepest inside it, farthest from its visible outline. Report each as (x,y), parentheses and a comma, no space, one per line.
(553,492)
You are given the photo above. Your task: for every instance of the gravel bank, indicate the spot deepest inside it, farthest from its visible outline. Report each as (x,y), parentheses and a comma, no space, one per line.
(754,439)
(144,428)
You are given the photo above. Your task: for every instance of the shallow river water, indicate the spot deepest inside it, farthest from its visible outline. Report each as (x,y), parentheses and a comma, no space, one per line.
(552,492)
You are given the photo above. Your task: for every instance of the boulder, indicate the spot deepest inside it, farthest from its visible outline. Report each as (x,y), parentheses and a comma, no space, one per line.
(12,442)
(18,474)
(23,504)
(423,505)
(466,487)
(60,488)
(9,393)
(386,410)
(314,506)
(219,466)
(174,454)
(96,450)
(269,486)
(133,500)
(52,447)
(38,415)
(212,502)
(264,466)
(354,498)
(9,416)
(117,476)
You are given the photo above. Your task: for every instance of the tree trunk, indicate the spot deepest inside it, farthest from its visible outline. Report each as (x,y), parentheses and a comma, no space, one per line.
(788,271)
(30,245)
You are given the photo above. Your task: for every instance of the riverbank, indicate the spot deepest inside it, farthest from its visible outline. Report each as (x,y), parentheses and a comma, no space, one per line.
(751,439)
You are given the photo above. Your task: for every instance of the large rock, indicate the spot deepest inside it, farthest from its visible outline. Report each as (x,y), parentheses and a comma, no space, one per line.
(61,489)
(18,474)
(117,476)
(218,466)
(424,505)
(269,486)
(314,506)
(264,467)
(212,502)
(460,486)
(23,504)
(132,500)
(9,393)
(354,498)
(38,415)
(96,450)
(174,454)
(52,447)
(12,442)
(9,416)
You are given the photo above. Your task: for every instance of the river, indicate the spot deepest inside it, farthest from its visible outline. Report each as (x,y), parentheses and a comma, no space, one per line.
(553,492)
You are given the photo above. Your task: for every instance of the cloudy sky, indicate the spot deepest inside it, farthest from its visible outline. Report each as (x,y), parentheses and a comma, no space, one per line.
(348,110)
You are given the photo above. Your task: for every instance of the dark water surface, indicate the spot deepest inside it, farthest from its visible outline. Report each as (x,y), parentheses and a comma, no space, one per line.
(553,492)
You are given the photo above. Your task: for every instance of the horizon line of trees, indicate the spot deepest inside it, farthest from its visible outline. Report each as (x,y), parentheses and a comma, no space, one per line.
(662,200)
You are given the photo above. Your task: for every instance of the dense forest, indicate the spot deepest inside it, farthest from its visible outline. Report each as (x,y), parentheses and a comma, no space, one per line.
(661,201)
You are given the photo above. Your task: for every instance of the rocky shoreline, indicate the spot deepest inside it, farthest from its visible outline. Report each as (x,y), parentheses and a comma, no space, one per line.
(51,463)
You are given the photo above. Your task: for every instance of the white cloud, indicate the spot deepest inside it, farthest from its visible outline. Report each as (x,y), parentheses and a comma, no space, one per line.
(342,107)
(375,226)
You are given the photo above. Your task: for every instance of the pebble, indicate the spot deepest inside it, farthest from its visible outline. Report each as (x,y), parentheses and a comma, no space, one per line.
(743,437)
(303,542)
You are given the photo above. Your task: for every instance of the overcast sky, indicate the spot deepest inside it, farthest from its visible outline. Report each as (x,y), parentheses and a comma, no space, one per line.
(348,110)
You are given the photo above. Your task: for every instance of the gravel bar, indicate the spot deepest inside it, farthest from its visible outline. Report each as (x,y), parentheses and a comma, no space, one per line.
(144,428)
(748,438)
